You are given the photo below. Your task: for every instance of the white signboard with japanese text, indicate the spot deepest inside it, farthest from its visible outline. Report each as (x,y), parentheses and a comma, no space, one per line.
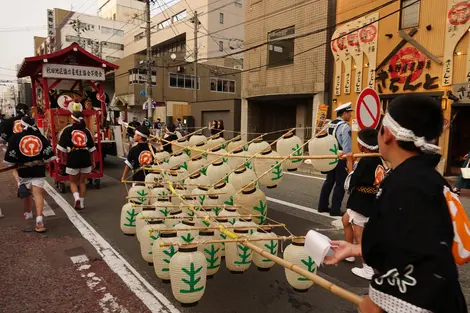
(73,72)
(50,23)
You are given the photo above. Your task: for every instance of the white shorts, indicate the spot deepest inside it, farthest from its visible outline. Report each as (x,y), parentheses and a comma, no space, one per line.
(76,171)
(33,181)
(357,218)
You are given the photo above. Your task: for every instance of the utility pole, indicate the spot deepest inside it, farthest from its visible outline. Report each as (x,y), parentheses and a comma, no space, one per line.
(196,25)
(149,62)
(79,32)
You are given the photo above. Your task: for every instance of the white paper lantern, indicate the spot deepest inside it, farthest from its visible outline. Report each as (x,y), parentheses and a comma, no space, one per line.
(180,146)
(212,251)
(257,146)
(269,245)
(218,171)
(246,222)
(188,272)
(175,176)
(218,235)
(252,201)
(163,207)
(161,157)
(197,138)
(198,163)
(189,201)
(153,179)
(143,217)
(209,216)
(221,156)
(231,214)
(159,192)
(275,168)
(139,195)
(213,202)
(201,195)
(162,255)
(180,190)
(179,160)
(235,144)
(295,253)
(226,193)
(148,234)
(241,178)
(324,145)
(237,256)
(216,141)
(201,150)
(187,231)
(129,214)
(174,218)
(196,180)
(288,145)
(234,161)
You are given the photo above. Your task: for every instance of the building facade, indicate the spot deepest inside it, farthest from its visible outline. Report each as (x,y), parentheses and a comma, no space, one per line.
(286,69)
(400,48)
(127,11)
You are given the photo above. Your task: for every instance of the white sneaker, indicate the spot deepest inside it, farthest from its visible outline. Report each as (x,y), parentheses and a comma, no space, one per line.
(365,272)
(28,215)
(350,259)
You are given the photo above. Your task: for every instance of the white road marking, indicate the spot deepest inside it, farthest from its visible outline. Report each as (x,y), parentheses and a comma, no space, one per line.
(154,300)
(306,176)
(301,207)
(47,211)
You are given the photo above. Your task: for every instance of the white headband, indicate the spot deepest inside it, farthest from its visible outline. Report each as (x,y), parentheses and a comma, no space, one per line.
(26,125)
(140,134)
(407,135)
(362,143)
(78,119)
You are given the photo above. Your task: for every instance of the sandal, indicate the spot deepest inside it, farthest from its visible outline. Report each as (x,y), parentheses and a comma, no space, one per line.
(40,228)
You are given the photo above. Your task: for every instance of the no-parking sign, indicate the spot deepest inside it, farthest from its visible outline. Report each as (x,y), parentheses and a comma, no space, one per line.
(368,109)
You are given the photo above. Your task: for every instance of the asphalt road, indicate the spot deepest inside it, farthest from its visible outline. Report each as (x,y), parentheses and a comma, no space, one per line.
(254,291)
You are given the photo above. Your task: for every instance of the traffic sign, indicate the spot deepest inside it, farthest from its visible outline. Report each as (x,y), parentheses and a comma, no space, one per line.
(368,109)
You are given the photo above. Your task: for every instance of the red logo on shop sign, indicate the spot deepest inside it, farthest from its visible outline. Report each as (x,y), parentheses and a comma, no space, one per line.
(368,33)
(459,14)
(79,138)
(353,39)
(408,56)
(342,41)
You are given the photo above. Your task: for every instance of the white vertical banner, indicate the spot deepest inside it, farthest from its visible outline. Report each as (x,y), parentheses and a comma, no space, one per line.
(345,56)
(338,63)
(458,22)
(50,23)
(356,52)
(368,43)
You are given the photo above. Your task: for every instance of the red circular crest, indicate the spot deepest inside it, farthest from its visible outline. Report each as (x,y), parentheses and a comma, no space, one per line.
(30,146)
(342,41)
(79,138)
(368,33)
(353,39)
(17,127)
(459,14)
(145,157)
(407,56)
(333,46)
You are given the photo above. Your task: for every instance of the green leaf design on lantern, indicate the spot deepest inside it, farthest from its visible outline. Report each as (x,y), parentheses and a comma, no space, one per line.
(204,155)
(225,160)
(226,179)
(222,146)
(217,210)
(184,166)
(131,217)
(229,202)
(245,148)
(223,236)
(165,211)
(310,264)
(153,238)
(170,253)
(202,199)
(188,238)
(203,171)
(142,195)
(163,194)
(272,248)
(277,171)
(191,213)
(212,261)
(188,152)
(248,165)
(297,152)
(262,211)
(193,281)
(166,161)
(244,255)
(335,152)
(232,221)
(206,223)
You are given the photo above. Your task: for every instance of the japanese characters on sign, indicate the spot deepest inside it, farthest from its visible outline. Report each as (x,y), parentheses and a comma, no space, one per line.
(50,23)
(73,72)
(405,68)
(462,91)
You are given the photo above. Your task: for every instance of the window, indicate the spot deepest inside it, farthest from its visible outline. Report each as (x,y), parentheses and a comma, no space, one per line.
(222,85)
(112,45)
(139,76)
(164,24)
(179,16)
(89,27)
(70,38)
(112,31)
(221,46)
(221,18)
(139,36)
(281,52)
(238,4)
(409,13)
(111,59)
(183,81)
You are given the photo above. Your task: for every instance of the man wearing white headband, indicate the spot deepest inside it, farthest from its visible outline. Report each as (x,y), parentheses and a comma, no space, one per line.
(29,150)
(417,232)
(77,142)
(139,155)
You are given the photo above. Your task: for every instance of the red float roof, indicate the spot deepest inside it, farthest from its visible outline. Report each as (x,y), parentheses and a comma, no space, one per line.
(33,66)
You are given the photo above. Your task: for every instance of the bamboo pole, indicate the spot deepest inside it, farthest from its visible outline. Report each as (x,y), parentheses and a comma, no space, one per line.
(184,206)
(242,239)
(183,195)
(196,217)
(215,228)
(8,168)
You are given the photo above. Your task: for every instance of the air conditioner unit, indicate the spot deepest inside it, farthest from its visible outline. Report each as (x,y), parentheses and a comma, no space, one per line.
(180,69)
(238,67)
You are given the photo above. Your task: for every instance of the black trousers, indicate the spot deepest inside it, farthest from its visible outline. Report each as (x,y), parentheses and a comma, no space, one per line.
(334,178)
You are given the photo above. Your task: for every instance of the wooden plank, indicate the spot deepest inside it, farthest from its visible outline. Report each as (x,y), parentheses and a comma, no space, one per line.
(397,48)
(419,46)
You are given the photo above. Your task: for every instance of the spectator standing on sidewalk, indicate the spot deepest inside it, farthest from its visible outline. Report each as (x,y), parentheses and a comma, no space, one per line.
(336,177)
(29,150)
(158,127)
(76,140)
(147,123)
(180,127)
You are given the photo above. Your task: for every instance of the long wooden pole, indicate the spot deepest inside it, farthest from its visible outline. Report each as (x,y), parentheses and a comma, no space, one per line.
(279,238)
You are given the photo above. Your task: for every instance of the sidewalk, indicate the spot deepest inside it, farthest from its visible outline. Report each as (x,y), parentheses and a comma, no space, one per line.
(58,271)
